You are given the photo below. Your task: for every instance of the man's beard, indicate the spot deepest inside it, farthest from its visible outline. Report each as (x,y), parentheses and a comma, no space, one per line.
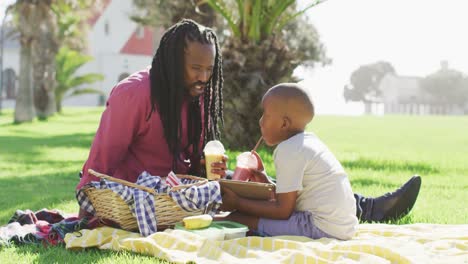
(199,92)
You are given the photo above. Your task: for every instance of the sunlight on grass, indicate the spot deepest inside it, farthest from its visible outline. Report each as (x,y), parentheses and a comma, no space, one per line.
(63,154)
(39,161)
(39,164)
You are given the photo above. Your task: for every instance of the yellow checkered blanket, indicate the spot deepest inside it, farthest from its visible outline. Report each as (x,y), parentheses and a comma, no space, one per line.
(373,243)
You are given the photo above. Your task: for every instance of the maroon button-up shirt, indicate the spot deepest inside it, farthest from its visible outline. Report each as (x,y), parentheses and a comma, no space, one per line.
(127,144)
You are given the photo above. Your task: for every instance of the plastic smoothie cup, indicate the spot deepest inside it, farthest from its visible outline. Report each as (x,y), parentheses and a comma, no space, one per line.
(245,162)
(214,152)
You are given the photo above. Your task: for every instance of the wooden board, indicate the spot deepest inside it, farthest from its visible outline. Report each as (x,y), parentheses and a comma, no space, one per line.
(250,190)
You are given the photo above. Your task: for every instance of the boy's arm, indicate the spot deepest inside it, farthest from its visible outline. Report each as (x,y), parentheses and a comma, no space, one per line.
(282,208)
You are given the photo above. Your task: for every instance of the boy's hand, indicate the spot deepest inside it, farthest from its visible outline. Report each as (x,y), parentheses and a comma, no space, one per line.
(259,176)
(259,161)
(218,167)
(230,200)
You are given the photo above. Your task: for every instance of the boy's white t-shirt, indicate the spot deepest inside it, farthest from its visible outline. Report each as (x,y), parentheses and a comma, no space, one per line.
(303,163)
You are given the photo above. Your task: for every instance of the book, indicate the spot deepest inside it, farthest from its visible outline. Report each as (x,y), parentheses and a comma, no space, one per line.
(250,190)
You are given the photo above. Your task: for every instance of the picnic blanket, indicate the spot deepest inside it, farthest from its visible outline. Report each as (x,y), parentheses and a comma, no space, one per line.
(373,243)
(47,227)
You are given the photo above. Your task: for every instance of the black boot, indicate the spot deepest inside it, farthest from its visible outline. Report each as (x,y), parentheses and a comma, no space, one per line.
(390,206)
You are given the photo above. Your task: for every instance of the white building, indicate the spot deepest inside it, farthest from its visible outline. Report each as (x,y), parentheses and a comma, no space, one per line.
(404,95)
(118,45)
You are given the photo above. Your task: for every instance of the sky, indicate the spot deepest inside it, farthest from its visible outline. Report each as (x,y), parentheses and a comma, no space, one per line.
(3,5)
(413,35)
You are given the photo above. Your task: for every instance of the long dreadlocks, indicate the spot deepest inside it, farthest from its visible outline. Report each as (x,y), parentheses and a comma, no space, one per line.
(168,88)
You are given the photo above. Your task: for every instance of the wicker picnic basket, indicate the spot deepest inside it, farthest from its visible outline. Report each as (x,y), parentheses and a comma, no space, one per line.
(109,205)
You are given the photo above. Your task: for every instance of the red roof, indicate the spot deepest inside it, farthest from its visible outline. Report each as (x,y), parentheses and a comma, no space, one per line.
(140,45)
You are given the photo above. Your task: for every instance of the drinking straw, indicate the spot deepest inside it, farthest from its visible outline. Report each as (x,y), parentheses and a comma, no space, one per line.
(256,146)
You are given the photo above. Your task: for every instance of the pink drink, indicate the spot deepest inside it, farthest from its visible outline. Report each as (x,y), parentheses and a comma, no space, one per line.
(245,162)
(242,174)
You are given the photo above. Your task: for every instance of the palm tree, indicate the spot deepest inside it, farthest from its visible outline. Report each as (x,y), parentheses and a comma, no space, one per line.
(38,29)
(266,41)
(166,13)
(68,82)
(266,44)
(24,107)
(37,22)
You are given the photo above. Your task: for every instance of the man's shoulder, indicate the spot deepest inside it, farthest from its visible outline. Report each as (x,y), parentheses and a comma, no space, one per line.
(135,86)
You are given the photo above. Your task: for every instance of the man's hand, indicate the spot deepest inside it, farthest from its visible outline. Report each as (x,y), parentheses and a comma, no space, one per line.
(230,200)
(217,167)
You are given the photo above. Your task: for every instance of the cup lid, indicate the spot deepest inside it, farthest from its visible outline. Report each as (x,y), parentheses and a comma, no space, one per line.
(214,147)
(247,160)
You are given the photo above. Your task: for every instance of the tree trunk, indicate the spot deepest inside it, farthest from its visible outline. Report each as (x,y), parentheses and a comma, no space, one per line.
(24,107)
(249,71)
(44,81)
(35,26)
(44,50)
(58,104)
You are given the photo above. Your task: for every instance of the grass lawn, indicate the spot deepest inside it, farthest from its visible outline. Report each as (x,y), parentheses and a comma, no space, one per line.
(39,164)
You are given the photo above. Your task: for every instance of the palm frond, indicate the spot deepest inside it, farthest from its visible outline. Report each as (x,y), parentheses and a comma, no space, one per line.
(85,91)
(277,9)
(221,8)
(285,21)
(256,20)
(67,64)
(85,79)
(240,9)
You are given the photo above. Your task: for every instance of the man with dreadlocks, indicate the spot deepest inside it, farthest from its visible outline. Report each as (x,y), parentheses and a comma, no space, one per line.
(159,119)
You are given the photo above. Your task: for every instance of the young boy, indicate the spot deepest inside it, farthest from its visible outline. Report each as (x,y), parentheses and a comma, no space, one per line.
(313,193)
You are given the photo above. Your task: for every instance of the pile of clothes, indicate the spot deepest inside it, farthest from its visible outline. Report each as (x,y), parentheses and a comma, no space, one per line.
(47,227)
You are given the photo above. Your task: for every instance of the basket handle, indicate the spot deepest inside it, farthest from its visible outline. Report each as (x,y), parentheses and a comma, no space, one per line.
(147,189)
(200,182)
(123,182)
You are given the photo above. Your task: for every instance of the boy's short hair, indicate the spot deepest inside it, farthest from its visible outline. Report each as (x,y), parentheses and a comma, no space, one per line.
(293,92)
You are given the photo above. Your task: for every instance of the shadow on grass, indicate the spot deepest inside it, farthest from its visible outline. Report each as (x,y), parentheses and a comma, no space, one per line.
(28,151)
(407,219)
(27,145)
(36,192)
(378,182)
(379,165)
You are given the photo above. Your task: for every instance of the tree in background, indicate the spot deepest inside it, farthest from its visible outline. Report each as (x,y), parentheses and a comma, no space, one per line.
(263,42)
(270,39)
(365,81)
(36,23)
(447,86)
(68,82)
(166,13)
(24,107)
(40,35)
